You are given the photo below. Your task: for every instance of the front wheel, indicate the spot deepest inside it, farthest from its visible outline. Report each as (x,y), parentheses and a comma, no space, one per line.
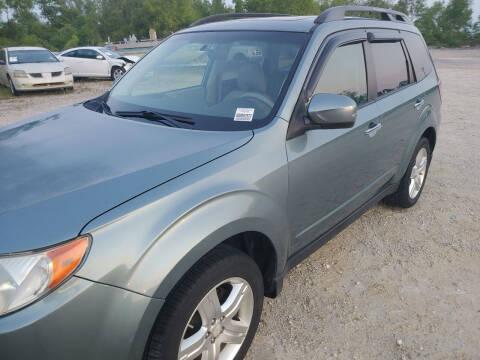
(12,87)
(117,72)
(214,311)
(413,181)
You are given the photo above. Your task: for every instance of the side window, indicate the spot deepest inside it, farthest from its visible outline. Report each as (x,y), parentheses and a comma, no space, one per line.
(71,54)
(345,73)
(2,57)
(95,53)
(87,54)
(391,69)
(422,64)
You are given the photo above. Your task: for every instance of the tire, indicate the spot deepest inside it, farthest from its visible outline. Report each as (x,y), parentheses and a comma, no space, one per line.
(405,197)
(12,87)
(116,72)
(230,272)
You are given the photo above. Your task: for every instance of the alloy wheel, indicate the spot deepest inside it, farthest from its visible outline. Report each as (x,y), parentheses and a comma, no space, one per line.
(419,170)
(219,325)
(117,73)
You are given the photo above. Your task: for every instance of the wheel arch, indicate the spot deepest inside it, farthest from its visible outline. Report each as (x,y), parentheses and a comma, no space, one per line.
(261,249)
(431,134)
(427,127)
(247,235)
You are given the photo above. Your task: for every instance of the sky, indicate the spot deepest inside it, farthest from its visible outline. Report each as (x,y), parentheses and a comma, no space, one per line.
(475,7)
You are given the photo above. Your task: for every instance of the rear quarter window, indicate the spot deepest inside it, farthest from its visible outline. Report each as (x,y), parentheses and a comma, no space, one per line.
(422,64)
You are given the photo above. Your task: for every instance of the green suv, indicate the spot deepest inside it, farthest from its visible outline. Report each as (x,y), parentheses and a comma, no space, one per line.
(150,222)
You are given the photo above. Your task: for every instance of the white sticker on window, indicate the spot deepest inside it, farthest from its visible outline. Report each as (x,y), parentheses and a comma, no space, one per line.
(13,59)
(244,114)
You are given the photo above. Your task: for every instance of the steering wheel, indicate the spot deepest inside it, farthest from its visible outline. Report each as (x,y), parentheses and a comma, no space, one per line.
(263,98)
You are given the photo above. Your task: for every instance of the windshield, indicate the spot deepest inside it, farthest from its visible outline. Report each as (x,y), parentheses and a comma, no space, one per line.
(30,56)
(221,80)
(110,53)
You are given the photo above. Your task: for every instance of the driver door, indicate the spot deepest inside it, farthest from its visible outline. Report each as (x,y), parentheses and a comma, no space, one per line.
(93,63)
(332,172)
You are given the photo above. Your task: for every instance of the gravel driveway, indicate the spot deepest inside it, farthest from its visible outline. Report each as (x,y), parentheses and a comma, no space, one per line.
(397,284)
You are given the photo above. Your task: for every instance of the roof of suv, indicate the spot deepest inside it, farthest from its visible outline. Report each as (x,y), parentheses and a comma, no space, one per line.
(275,22)
(278,23)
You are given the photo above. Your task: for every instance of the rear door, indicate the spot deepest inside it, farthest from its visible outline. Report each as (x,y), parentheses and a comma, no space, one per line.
(332,172)
(424,96)
(93,63)
(394,82)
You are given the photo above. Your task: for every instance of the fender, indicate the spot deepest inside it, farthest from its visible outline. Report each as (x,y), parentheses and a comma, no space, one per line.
(212,223)
(162,251)
(169,228)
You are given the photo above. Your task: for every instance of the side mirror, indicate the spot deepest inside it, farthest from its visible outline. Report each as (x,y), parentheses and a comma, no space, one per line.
(2,62)
(331,111)
(100,57)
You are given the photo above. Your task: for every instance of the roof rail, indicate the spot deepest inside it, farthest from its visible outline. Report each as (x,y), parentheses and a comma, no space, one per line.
(338,13)
(232,16)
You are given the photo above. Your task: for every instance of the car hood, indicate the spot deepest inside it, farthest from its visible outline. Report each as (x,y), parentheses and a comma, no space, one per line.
(130,58)
(60,170)
(39,67)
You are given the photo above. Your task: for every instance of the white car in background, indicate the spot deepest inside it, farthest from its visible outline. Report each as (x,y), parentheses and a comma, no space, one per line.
(98,62)
(32,68)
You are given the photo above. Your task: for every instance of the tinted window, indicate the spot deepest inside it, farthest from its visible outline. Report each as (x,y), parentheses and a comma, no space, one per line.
(418,52)
(345,73)
(2,56)
(390,66)
(87,54)
(71,54)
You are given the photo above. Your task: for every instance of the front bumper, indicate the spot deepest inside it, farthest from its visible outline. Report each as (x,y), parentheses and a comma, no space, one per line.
(80,320)
(30,84)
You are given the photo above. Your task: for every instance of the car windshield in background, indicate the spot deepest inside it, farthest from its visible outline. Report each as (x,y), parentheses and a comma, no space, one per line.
(30,56)
(110,53)
(221,80)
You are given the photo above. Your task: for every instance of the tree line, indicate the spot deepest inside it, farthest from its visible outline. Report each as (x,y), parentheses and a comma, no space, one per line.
(61,24)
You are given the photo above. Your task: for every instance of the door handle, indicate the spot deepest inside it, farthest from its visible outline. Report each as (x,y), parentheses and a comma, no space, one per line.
(373,129)
(419,103)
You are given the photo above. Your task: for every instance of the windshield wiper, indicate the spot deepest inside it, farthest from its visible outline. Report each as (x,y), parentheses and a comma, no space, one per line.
(168,120)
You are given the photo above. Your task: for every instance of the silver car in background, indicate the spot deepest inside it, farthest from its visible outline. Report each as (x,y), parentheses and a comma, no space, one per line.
(32,68)
(97,62)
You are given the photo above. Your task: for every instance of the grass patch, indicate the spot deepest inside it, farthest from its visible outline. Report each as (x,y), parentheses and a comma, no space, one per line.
(5,93)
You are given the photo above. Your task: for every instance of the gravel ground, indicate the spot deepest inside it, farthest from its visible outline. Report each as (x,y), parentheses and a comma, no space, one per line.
(396,284)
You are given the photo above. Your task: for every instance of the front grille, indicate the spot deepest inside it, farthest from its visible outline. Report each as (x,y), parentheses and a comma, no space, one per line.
(36,75)
(56,73)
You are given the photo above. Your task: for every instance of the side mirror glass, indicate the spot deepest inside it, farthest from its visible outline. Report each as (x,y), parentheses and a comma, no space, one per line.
(331,111)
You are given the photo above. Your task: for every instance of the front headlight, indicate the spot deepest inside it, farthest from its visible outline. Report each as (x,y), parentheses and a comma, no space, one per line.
(26,277)
(67,71)
(20,74)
